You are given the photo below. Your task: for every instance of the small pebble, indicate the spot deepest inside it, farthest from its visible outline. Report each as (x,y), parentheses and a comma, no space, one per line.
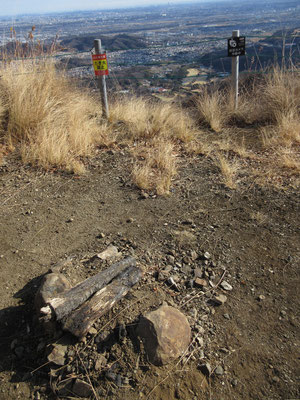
(226,286)
(219,370)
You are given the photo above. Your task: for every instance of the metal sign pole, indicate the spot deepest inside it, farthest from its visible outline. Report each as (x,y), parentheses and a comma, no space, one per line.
(102,81)
(235,72)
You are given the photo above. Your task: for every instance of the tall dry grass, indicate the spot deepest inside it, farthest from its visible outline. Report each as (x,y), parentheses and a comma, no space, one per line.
(51,122)
(265,126)
(155,132)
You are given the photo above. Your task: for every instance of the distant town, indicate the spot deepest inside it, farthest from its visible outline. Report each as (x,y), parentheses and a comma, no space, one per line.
(161,48)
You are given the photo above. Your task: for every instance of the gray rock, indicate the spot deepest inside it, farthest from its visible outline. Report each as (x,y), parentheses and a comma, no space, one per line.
(226,286)
(52,285)
(166,334)
(82,389)
(170,259)
(219,370)
(100,362)
(110,252)
(58,354)
(219,300)
(198,272)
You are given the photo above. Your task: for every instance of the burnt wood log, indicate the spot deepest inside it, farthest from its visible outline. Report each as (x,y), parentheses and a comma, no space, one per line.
(80,321)
(71,299)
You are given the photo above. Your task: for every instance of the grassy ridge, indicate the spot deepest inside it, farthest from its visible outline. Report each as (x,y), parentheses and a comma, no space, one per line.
(52,124)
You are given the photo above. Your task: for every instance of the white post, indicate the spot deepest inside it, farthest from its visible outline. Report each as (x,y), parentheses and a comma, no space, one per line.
(235,73)
(102,81)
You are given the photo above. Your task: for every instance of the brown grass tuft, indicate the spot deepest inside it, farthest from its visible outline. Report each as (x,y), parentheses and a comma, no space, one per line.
(229,169)
(154,132)
(53,123)
(211,109)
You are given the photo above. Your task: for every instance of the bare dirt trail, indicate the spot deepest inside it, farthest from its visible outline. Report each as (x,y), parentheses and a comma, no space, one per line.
(251,233)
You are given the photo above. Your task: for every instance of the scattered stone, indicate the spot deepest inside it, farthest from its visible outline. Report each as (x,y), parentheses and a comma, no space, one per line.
(170,259)
(200,282)
(186,269)
(119,380)
(219,370)
(226,286)
(184,238)
(226,316)
(58,354)
(166,334)
(52,285)
(100,362)
(234,382)
(101,235)
(201,354)
(93,331)
(283,313)
(207,255)
(187,221)
(275,379)
(110,375)
(110,252)
(82,389)
(69,220)
(198,272)
(261,297)
(144,195)
(219,300)
(206,369)
(167,269)
(171,282)
(194,255)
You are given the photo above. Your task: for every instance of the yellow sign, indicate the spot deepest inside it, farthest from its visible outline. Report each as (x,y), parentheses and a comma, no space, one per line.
(100,64)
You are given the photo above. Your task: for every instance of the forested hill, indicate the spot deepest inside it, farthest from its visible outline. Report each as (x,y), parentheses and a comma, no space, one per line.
(111,43)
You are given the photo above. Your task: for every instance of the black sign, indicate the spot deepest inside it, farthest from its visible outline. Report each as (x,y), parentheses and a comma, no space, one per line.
(236,46)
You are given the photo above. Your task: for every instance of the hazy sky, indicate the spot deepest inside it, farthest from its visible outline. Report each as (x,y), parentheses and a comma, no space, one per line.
(14,7)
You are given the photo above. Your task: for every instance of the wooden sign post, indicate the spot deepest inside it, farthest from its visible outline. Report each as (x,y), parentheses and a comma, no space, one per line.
(101,71)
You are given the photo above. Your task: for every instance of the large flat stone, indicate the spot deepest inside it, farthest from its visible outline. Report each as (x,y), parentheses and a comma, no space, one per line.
(166,334)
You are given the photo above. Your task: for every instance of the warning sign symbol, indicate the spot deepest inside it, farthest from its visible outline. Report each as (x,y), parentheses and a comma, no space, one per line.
(100,64)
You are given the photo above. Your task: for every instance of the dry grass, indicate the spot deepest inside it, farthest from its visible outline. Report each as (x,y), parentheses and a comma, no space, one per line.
(264,128)
(52,123)
(229,169)
(145,119)
(155,132)
(211,109)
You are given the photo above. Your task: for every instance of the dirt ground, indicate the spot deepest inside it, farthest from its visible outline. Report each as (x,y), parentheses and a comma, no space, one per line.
(252,235)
